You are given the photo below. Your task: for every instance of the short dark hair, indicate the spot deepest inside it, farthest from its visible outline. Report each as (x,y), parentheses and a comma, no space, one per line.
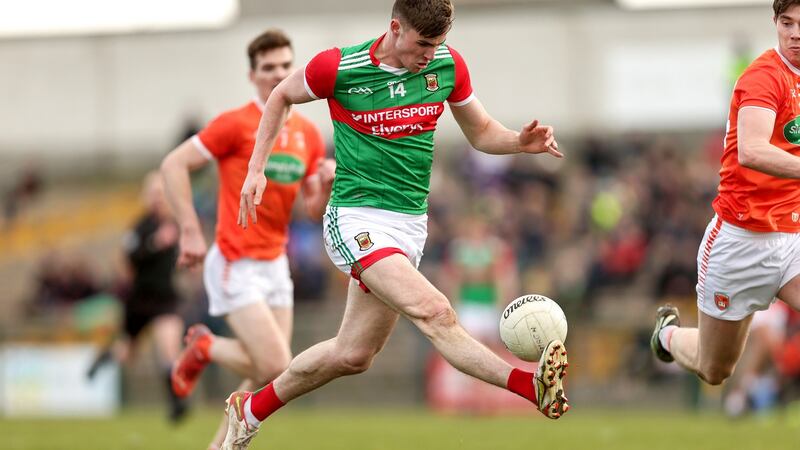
(266,41)
(780,6)
(430,18)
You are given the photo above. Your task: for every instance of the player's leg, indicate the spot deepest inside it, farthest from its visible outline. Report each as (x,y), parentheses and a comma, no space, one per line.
(238,290)
(263,327)
(261,349)
(167,331)
(767,331)
(739,272)
(790,292)
(222,429)
(712,349)
(118,348)
(230,352)
(365,328)
(395,281)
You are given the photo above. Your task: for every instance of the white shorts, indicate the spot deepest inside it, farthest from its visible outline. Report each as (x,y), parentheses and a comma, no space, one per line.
(740,271)
(234,285)
(357,237)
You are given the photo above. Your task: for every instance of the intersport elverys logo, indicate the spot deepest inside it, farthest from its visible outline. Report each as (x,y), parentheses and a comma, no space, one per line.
(791,131)
(284,169)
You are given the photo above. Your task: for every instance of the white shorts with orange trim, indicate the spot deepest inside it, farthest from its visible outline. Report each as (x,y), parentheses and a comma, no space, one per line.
(232,285)
(740,272)
(357,237)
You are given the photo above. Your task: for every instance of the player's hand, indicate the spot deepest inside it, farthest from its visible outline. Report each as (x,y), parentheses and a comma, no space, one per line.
(166,235)
(252,190)
(535,138)
(192,249)
(326,168)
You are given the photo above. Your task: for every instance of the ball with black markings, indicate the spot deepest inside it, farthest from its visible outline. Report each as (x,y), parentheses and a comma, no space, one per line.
(531,322)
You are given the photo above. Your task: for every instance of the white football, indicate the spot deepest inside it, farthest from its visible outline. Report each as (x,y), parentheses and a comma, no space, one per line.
(531,322)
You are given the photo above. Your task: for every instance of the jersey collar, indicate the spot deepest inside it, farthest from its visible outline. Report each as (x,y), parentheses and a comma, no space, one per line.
(376,62)
(374,47)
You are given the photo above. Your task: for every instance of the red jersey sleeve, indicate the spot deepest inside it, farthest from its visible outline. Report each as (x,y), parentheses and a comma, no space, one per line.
(316,147)
(759,87)
(320,73)
(219,137)
(462,92)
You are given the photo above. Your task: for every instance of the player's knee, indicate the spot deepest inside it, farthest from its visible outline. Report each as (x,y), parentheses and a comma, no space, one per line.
(435,318)
(267,369)
(355,361)
(715,374)
(439,314)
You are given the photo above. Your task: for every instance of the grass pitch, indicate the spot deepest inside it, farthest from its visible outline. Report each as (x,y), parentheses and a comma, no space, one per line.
(306,429)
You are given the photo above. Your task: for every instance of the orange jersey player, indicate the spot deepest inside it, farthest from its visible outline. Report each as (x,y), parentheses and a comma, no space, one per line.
(246,272)
(750,253)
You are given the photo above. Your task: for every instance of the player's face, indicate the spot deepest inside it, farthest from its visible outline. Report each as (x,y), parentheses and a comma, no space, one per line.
(413,50)
(271,68)
(788,24)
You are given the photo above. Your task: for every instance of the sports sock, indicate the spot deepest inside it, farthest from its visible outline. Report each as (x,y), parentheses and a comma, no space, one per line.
(261,404)
(521,383)
(665,335)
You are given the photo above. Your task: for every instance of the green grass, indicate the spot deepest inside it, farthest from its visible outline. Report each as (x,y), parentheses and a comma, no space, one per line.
(300,429)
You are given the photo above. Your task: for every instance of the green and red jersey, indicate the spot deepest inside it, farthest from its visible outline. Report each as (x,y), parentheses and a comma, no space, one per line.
(384,119)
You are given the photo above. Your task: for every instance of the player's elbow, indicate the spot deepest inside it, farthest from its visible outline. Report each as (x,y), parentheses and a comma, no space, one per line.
(746,158)
(749,155)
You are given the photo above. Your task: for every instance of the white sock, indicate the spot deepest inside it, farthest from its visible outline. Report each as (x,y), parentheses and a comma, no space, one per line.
(248,415)
(665,334)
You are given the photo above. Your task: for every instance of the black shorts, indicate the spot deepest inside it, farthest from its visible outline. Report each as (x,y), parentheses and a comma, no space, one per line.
(140,312)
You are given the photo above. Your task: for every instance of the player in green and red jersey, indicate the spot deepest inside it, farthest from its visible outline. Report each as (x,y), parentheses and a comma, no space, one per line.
(385,97)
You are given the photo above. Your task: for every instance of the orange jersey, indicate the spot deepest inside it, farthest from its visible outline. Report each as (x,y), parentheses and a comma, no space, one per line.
(230,139)
(748,198)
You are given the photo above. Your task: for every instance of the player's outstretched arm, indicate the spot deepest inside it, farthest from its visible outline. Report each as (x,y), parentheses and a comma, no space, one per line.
(175,169)
(290,91)
(490,136)
(754,131)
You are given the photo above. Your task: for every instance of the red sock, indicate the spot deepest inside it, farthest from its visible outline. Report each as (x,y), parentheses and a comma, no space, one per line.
(521,383)
(264,402)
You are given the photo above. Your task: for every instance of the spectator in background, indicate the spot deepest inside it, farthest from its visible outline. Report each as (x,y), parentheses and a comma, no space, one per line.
(151,249)
(27,187)
(64,280)
(480,273)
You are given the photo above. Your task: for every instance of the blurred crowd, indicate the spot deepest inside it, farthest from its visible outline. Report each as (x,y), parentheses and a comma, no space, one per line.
(610,231)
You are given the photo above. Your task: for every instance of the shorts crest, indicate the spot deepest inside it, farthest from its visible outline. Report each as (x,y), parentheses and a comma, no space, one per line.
(364,241)
(722,301)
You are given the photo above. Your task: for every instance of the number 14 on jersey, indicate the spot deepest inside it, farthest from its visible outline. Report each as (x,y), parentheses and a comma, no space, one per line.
(397,89)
